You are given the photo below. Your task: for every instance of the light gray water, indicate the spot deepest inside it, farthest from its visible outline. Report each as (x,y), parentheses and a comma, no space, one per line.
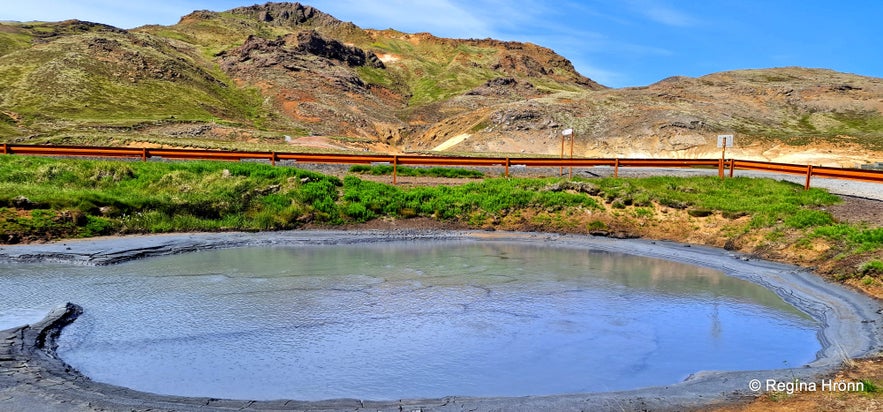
(407,320)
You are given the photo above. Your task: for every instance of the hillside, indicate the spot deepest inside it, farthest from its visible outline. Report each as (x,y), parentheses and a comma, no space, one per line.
(250,76)
(785,114)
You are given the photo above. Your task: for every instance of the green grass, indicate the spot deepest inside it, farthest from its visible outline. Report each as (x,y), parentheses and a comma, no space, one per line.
(365,200)
(768,202)
(865,127)
(862,239)
(12,41)
(434,70)
(140,79)
(125,197)
(862,124)
(869,386)
(452,172)
(44,198)
(872,267)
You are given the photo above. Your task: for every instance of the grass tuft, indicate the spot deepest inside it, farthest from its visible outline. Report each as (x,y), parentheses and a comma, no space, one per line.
(451,172)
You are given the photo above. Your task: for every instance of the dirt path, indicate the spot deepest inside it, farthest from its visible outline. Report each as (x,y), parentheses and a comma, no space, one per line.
(858,210)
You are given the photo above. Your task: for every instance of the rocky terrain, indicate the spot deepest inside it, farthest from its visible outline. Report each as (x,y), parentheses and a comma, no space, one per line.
(285,76)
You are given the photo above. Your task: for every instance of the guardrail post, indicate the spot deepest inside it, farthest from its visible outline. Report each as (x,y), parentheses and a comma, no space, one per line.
(808,176)
(273,158)
(507,166)
(6,148)
(732,166)
(720,168)
(616,167)
(395,168)
(143,154)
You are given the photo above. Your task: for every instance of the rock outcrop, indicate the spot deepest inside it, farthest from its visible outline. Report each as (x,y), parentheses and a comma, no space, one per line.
(286,14)
(291,52)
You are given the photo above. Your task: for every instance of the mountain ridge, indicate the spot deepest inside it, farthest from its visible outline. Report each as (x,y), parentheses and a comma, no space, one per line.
(251,75)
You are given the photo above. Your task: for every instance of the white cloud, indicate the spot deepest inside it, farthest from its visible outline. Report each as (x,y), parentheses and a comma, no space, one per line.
(663,14)
(440,17)
(603,76)
(117,13)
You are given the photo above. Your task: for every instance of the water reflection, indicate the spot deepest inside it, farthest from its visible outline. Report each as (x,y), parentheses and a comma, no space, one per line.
(394,320)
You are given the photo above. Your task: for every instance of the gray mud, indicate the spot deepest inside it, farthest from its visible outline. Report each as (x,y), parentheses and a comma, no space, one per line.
(33,378)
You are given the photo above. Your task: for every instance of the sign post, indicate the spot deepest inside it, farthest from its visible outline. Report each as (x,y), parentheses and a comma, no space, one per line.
(566,132)
(724,141)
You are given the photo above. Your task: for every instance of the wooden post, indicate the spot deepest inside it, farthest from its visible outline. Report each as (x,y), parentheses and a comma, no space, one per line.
(5,148)
(507,166)
(572,137)
(732,166)
(395,168)
(273,158)
(724,149)
(720,168)
(723,158)
(616,167)
(143,154)
(561,168)
(808,176)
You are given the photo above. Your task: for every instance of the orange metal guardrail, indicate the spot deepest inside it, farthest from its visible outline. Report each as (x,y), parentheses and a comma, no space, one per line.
(732,164)
(89,151)
(809,171)
(855,174)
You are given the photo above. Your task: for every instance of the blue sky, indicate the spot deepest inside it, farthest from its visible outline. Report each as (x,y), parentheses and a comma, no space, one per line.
(617,43)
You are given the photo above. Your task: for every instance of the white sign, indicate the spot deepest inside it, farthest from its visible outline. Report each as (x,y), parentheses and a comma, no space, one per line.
(723,139)
(567,132)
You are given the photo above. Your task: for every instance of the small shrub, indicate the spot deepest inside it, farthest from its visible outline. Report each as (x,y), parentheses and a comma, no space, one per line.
(874,267)
(596,225)
(733,215)
(673,203)
(321,196)
(700,212)
(97,226)
(869,239)
(869,386)
(642,199)
(805,218)
(775,235)
(264,220)
(358,212)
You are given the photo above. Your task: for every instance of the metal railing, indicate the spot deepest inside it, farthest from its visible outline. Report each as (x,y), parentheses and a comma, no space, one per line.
(395,160)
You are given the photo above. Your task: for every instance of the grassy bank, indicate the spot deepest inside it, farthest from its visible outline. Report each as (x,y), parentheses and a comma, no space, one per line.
(44,198)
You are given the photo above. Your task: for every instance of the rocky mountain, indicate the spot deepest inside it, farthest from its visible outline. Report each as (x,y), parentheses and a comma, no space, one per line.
(279,75)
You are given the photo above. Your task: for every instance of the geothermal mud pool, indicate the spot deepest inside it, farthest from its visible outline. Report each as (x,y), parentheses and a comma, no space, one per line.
(427,315)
